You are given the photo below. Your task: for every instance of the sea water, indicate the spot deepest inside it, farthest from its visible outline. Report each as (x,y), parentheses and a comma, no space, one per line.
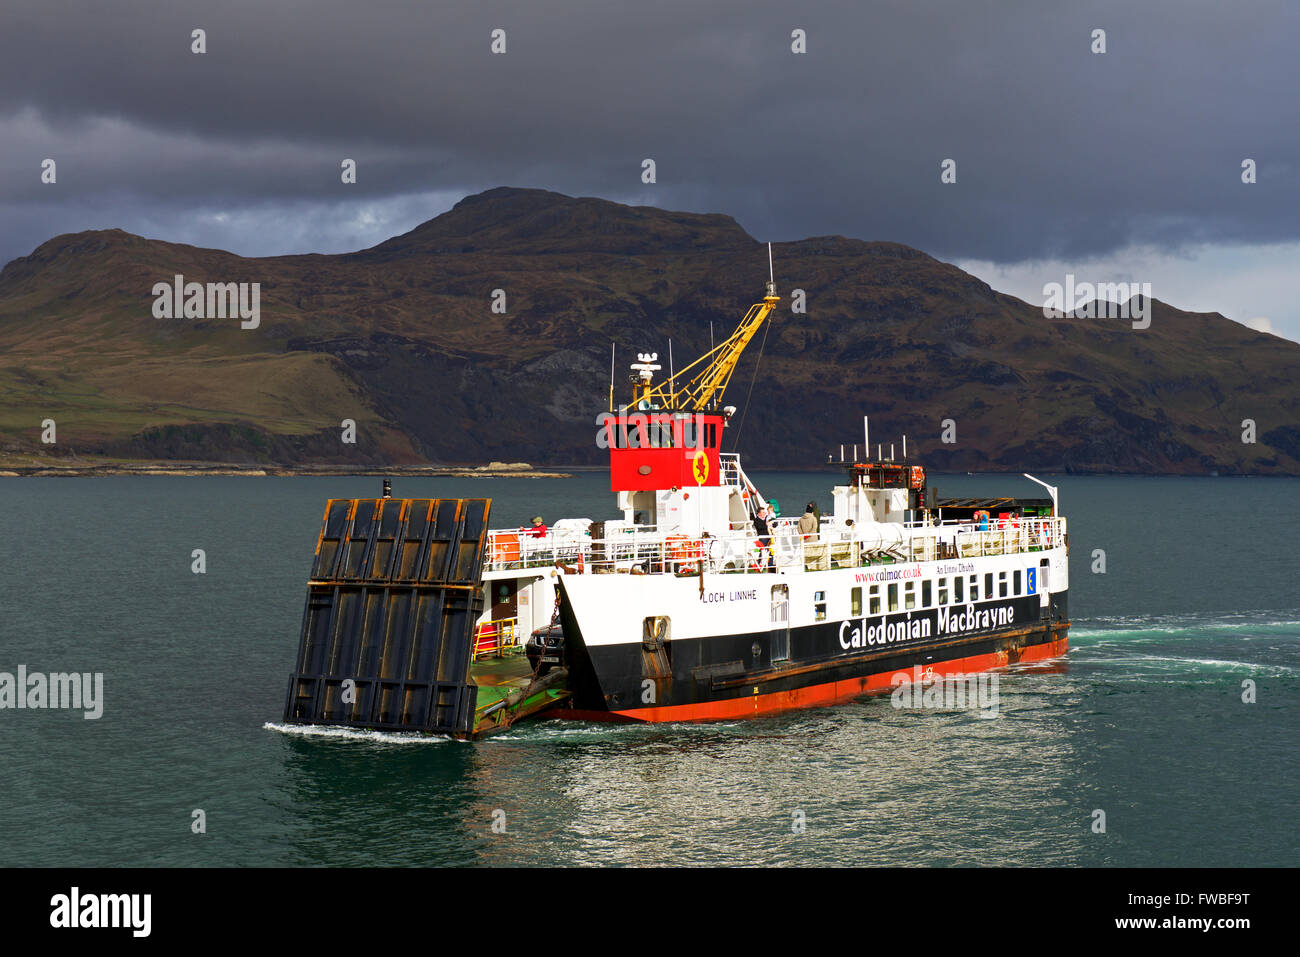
(1174,714)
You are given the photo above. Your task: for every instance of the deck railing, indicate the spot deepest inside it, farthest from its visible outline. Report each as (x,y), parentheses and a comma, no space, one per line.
(730,465)
(644,549)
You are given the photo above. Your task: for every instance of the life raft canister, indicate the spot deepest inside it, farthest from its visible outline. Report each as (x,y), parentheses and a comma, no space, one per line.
(503,547)
(680,548)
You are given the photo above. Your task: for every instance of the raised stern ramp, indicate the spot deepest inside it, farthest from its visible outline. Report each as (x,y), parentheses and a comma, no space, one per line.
(387,636)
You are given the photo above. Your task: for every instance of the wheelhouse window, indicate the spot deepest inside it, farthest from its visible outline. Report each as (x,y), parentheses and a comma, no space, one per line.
(625,433)
(692,434)
(644,431)
(661,434)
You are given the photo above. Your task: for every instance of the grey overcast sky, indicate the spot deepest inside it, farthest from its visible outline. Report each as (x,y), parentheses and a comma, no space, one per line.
(1123,165)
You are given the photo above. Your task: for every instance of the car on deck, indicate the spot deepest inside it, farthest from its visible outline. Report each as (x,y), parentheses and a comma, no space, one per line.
(545,648)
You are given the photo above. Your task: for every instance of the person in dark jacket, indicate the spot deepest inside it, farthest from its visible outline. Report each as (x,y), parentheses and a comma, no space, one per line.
(764,532)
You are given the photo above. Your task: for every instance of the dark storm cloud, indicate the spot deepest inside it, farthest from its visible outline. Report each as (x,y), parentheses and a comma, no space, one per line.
(1060,152)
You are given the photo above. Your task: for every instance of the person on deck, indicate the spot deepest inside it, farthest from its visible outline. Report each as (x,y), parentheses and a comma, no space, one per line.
(539,529)
(808,524)
(764,533)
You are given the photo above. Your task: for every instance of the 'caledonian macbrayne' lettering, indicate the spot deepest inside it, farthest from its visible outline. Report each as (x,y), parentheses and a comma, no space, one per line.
(862,635)
(972,620)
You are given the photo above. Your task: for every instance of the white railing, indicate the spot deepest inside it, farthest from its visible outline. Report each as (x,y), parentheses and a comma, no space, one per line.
(643,549)
(731,474)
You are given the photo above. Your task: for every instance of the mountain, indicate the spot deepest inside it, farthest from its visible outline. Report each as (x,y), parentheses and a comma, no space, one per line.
(401,338)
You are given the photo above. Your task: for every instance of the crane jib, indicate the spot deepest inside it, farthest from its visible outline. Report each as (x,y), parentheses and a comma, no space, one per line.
(707,377)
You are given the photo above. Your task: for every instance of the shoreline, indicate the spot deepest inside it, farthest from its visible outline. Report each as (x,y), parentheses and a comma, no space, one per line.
(493,470)
(278,471)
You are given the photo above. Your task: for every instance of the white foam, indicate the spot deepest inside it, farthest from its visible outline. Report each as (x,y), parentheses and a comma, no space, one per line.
(1219,662)
(1103,630)
(357,734)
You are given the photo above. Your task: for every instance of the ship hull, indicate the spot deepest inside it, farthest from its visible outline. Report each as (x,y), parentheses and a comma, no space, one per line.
(875,679)
(766,670)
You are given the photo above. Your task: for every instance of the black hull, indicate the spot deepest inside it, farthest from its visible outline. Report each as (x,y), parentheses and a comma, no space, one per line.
(713,676)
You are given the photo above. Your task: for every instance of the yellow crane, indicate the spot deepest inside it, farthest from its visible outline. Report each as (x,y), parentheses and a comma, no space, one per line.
(706,378)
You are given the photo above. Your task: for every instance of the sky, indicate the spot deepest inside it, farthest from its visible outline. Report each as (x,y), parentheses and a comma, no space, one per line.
(1122,165)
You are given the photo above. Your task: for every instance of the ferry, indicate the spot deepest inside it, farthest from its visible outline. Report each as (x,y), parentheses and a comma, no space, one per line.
(692,601)
(682,609)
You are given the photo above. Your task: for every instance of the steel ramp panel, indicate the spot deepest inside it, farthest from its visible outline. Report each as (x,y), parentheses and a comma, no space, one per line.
(387,632)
